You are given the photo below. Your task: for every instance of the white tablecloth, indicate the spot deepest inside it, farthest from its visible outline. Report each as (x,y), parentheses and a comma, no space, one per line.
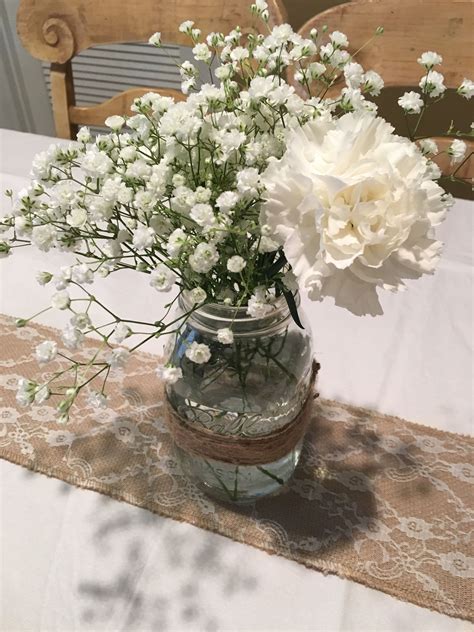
(74,560)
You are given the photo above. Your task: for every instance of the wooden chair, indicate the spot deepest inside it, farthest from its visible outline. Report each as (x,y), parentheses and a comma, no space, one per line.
(57,30)
(410,28)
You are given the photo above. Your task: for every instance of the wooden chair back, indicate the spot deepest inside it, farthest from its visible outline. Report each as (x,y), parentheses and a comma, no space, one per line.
(57,30)
(411,27)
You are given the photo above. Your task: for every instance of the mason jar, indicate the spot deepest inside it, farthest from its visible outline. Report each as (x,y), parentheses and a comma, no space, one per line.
(237,418)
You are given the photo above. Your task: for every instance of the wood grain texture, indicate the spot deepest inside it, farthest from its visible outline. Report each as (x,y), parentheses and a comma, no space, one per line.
(411,27)
(57,30)
(62,94)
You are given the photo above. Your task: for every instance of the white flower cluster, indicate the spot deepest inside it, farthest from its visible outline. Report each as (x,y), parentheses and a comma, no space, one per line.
(354,207)
(175,191)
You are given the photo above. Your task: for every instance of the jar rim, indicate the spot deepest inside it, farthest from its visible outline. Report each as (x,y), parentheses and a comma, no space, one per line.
(213,316)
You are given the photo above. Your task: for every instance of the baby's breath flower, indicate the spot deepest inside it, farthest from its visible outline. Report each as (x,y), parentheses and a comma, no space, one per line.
(44,277)
(430,59)
(372,83)
(61,300)
(162,278)
(72,337)
(236,264)
(118,357)
(466,89)
(97,400)
(204,257)
(186,26)
(201,52)
(457,150)
(433,84)
(120,333)
(411,102)
(81,321)
(46,351)
(84,135)
(428,146)
(143,237)
(198,353)
(196,296)
(225,336)
(155,39)
(339,39)
(169,374)
(25,394)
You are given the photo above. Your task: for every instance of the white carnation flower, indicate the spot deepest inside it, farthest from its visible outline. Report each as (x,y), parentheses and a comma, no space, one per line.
(236,264)
(162,278)
(267,244)
(46,351)
(411,102)
(354,208)
(198,353)
(225,336)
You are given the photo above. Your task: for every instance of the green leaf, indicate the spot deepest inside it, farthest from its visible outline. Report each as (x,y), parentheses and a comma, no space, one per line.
(290,299)
(276,266)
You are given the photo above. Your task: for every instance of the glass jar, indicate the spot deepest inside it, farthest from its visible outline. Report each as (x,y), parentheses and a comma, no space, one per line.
(252,387)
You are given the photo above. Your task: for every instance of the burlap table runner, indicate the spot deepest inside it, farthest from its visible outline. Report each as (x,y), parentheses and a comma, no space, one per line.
(376,499)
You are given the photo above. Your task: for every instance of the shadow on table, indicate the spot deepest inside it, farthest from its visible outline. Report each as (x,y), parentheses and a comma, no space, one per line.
(333,498)
(162,575)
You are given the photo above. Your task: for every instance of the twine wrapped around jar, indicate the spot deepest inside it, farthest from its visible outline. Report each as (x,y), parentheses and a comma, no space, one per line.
(243,450)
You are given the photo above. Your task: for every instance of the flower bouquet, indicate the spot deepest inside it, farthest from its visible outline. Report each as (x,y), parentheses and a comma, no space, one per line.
(236,198)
